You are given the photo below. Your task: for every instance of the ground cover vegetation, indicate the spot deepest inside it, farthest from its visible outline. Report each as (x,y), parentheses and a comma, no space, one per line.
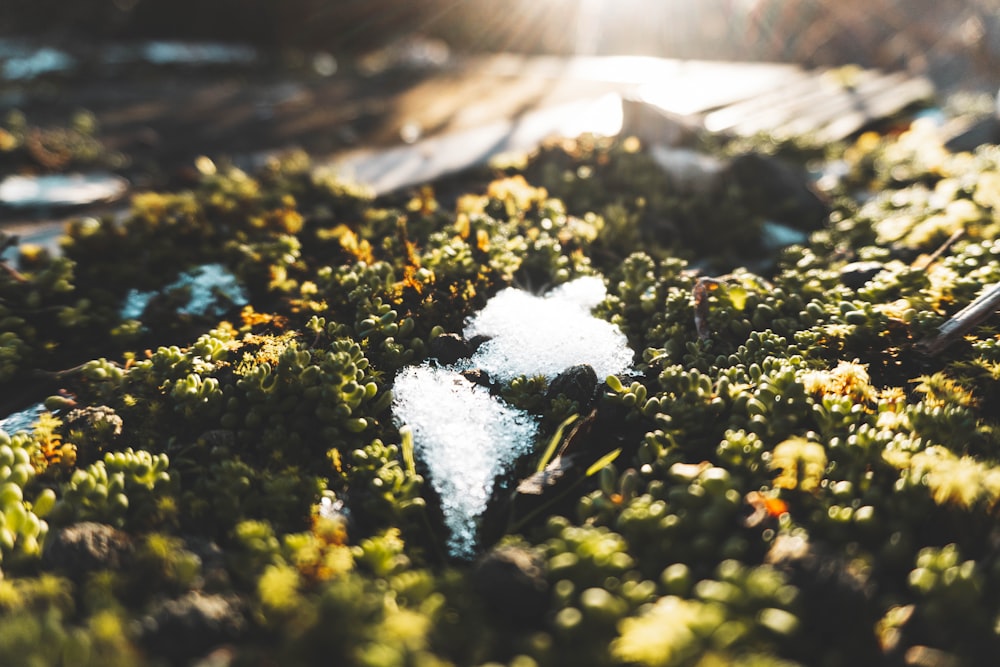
(789,474)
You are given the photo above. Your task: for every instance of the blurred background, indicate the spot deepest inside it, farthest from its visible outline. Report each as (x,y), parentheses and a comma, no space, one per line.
(955,42)
(143,88)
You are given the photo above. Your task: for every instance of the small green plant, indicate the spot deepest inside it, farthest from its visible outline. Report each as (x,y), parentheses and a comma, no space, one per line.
(783,473)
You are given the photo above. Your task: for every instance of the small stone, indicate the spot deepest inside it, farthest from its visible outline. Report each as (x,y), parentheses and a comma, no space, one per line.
(577,383)
(190,626)
(846,590)
(477,341)
(91,429)
(856,274)
(779,191)
(478,376)
(82,548)
(214,574)
(903,253)
(449,348)
(511,581)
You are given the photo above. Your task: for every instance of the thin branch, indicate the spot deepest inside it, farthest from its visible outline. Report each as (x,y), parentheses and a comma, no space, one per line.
(977,312)
(928,261)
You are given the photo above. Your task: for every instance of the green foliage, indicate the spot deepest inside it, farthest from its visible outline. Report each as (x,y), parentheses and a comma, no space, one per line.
(126,489)
(783,467)
(22,506)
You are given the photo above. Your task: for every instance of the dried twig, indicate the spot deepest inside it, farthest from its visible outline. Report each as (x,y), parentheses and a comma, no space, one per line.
(926,262)
(984,307)
(701,305)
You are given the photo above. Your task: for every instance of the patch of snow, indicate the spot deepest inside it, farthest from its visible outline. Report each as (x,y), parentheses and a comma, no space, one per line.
(61,189)
(19,62)
(466,437)
(828,175)
(544,335)
(135,304)
(198,53)
(23,420)
(213,290)
(587,292)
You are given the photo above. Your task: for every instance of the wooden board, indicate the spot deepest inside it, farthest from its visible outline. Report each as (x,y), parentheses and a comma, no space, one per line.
(392,169)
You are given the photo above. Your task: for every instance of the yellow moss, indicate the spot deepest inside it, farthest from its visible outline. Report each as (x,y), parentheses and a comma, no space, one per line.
(800,464)
(954,480)
(470,204)
(424,203)
(940,391)
(278,588)
(987,192)
(286,220)
(516,193)
(406,627)
(942,279)
(8,141)
(268,350)
(849,378)
(666,635)
(11,596)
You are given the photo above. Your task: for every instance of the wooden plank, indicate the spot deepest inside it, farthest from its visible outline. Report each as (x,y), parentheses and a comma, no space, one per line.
(424,161)
(700,87)
(679,86)
(846,102)
(728,118)
(751,97)
(800,104)
(890,101)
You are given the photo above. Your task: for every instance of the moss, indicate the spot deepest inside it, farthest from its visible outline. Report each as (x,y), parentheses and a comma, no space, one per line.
(249,469)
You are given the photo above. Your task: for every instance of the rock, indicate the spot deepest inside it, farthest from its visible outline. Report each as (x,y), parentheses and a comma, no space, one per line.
(511,581)
(22,420)
(903,253)
(965,134)
(91,428)
(775,236)
(856,274)
(779,191)
(654,125)
(478,376)
(840,594)
(449,348)
(577,383)
(190,626)
(82,548)
(690,171)
(477,341)
(214,573)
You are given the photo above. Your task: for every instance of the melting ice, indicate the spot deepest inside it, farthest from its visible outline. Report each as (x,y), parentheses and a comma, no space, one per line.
(23,420)
(213,290)
(466,436)
(545,335)
(22,62)
(61,189)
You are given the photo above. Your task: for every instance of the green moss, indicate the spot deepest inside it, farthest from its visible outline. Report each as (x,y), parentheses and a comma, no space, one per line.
(790,473)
